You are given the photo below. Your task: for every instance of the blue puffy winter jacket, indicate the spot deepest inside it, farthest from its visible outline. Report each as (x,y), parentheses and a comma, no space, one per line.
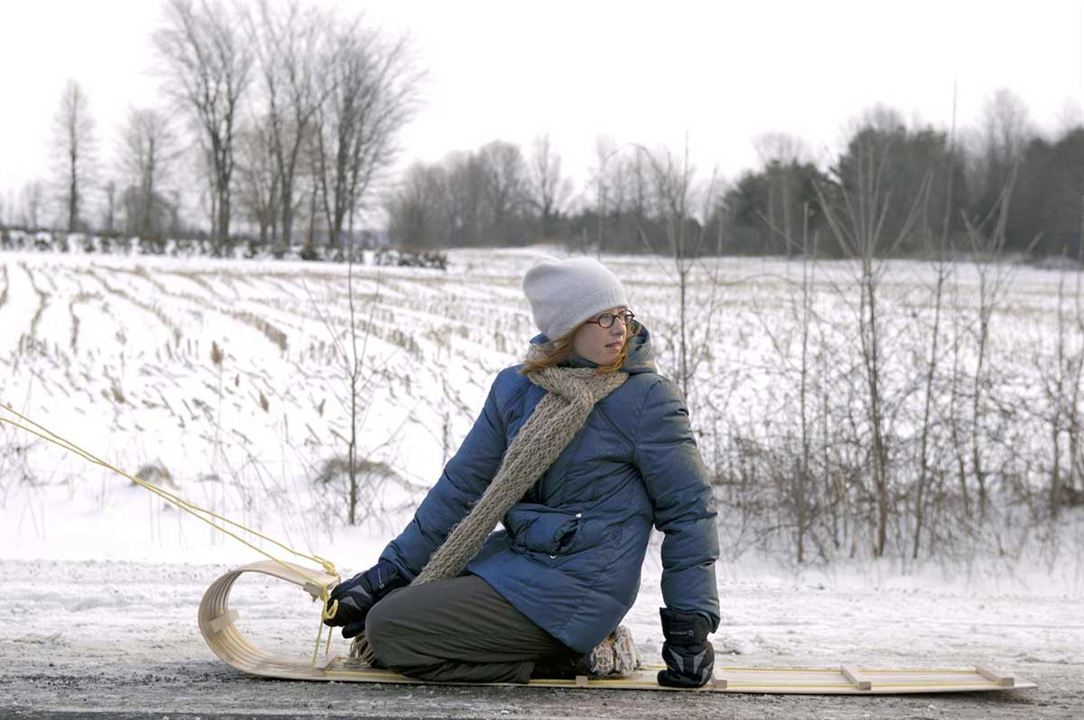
(570,553)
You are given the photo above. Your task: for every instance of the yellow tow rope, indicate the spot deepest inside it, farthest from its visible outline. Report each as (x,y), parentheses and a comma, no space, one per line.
(208,516)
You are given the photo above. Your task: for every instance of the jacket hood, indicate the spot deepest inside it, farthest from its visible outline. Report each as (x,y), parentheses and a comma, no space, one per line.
(640,359)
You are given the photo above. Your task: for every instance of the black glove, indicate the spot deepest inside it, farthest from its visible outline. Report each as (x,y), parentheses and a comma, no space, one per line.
(688,655)
(357,596)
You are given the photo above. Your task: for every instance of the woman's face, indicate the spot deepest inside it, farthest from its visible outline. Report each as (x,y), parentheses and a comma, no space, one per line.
(598,344)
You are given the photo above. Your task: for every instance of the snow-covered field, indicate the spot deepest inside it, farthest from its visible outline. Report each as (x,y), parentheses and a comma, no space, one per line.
(229,379)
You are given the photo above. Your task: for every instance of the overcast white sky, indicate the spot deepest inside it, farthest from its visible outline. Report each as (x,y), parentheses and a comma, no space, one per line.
(647,72)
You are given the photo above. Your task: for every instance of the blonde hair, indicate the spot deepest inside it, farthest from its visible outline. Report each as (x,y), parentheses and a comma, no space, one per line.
(558,351)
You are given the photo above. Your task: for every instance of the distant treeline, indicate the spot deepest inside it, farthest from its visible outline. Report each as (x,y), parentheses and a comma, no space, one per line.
(929,188)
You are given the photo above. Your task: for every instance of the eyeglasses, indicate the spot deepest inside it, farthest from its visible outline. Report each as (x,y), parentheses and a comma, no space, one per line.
(606,320)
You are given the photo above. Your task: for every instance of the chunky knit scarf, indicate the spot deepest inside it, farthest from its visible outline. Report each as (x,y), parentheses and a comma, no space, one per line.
(558,417)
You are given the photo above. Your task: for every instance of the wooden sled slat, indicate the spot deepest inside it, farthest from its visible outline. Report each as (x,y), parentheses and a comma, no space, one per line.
(217,624)
(1001,679)
(856,678)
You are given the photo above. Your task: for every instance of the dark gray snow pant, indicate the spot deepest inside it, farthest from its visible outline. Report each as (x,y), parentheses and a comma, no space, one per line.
(456,630)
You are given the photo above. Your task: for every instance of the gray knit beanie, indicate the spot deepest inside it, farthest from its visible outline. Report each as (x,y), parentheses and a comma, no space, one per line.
(564,293)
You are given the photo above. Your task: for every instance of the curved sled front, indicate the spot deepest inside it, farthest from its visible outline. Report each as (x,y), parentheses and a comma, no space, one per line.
(216,622)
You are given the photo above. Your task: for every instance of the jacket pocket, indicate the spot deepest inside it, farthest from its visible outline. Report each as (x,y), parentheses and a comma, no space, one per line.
(540,529)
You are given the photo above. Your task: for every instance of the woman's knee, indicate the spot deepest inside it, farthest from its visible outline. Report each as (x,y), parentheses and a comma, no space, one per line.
(380,629)
(376,624)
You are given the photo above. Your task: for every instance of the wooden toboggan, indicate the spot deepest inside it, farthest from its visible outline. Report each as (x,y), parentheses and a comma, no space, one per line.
(216,622)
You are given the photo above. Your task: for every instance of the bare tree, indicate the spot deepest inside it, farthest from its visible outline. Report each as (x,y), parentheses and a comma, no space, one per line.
(1076,374)
(672,187)
(466,199)
(781,156)
(33,204)
(287,40)
(632,198)
(942,267)
(1076,447)
(109,217)
(987,240)
(418,210)
(74,135)
(997,147)
(1005,129)
(148,149)
(258,179)
(209,66)
(675,196)
(639,186)
(1062,402)
(779,147)
(369,89)
(505,176)
(803,475)
(605,149)
(856,217)
(549,190)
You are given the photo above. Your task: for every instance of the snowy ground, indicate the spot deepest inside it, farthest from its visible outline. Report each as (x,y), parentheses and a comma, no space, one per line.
(121,637)
(100,581)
